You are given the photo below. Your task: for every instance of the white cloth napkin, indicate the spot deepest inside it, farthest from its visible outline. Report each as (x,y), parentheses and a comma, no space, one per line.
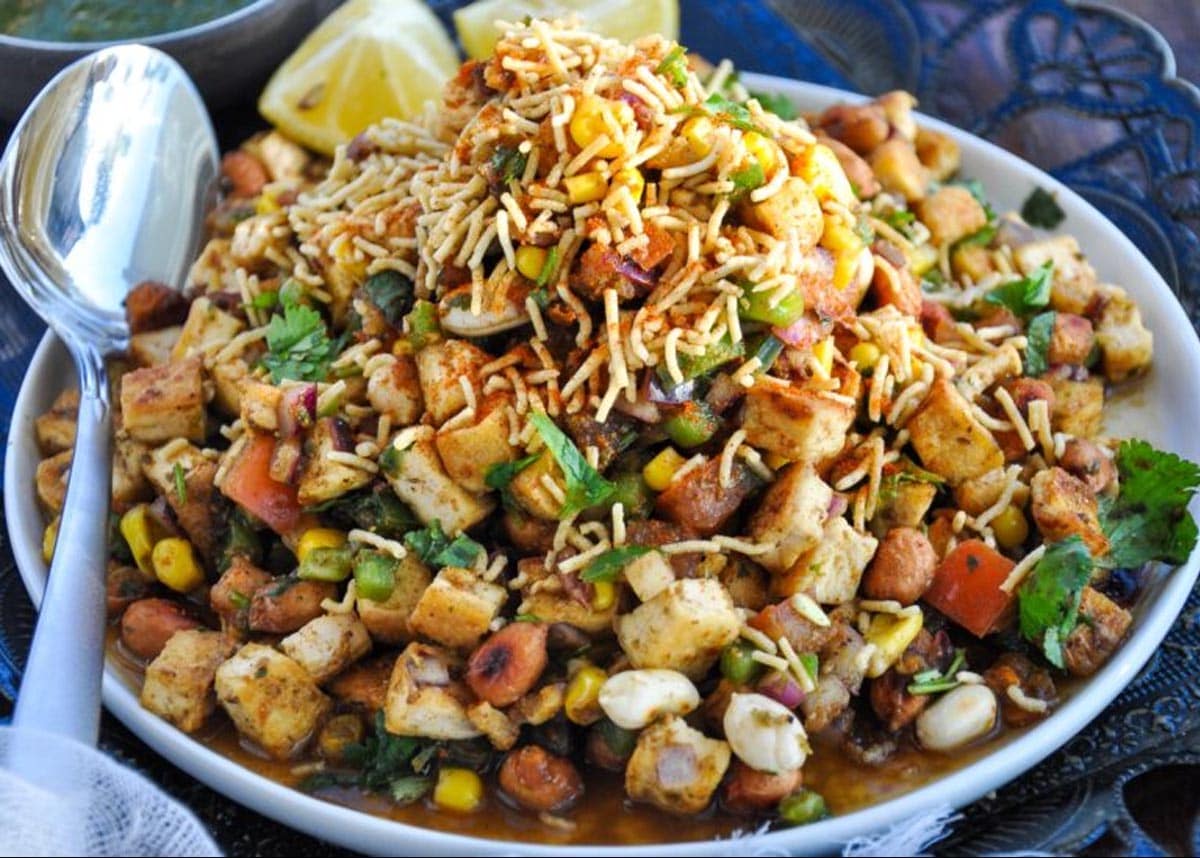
(98,807)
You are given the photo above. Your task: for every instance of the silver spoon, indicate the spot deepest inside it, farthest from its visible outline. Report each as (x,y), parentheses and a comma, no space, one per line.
(104,184)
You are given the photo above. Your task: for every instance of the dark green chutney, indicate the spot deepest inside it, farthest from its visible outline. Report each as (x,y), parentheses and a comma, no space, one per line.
(106,20)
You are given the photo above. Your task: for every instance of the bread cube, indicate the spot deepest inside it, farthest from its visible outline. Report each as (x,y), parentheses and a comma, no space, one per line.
(424,700)
(1103,624)
(271,699)
(791,515)
(179,682)
(55,429)
(328,644)
(949,439)
(682,628)
(1078,407)
(799,424)
(1063,505)
(439,368)
(832,571)
(394,389)
(159,403)
(649,575)
(457,608)
(1126,346)
(469,452)
(420,480)
(553,604)
(675,767)
(951,213)
(1074,285)
(206,328)
(323,479)
(387,621)
(154,348)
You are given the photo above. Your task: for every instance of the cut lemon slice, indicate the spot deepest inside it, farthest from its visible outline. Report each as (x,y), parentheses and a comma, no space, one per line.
(370,59)
(621,19)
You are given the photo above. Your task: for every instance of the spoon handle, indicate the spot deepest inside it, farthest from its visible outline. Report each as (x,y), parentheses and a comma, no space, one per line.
(61,689)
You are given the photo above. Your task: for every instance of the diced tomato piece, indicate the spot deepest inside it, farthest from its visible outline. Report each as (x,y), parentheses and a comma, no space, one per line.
(966,588)
(248,483)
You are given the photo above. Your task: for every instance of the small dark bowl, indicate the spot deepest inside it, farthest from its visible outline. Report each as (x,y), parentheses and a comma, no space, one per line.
(227,57)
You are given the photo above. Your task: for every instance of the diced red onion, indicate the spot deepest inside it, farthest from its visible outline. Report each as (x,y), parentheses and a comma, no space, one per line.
(635,273)
(297,409)
(285,460)
(837,505)
(800,334)
(655,391)
(782,688)
(676,766)
(339,431)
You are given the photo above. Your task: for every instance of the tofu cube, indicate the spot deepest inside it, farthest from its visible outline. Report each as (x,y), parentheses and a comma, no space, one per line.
(387,621)
(791,515)
(206,328)
(832,571)
(179,682)
(439,368)
(1063,505)
(394,389)
(457,608)
(1103,624)
(553,604)
(328,644)
(949,439)
(424,700)
(420,480)
(1126,346)
(154,348)
(321,478)
(271,699)
(56,428)
(1078,407)
(799,424)
(649,575)
(469,452)
(682,628)
(675,767)
(159,403)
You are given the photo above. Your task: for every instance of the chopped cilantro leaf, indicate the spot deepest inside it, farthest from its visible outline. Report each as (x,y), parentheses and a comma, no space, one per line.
(298,344)
(436,549)
(1026,295)
(392,293)
(778,104)
(980,238)
(1048,602)
(508,164)
(1038,335)
(180,482)
(1149,519)
(934,681)
(549,269)
(731,112)
(674,66)
(608,565)
(500,475)
(1041,209)
(584,486)
(265,300)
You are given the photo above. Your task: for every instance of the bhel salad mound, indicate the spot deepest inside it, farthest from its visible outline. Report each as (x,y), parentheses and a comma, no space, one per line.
(613,417)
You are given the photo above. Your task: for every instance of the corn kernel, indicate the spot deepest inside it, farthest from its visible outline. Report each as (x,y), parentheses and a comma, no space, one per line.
(924,257)
(604,594)
(821,169)
(339,732)
(530,260)
(763,150)
(775,461)
(823,352)
(592,118)
(661,468)
(175,564)
(582,700)
(49,537)
(891,634)
(318,537)
(141,531)
(698,132)
(459,790)
(266,204)
(865,355)
(631,177)
(845,268)
(402,346)
(837,236)
(585,188)
(1010,527)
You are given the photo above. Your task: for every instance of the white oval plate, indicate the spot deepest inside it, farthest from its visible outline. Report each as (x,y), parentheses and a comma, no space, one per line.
(1165,411)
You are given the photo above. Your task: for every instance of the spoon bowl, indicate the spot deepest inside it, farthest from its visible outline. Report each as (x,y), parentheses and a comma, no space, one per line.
(104,184)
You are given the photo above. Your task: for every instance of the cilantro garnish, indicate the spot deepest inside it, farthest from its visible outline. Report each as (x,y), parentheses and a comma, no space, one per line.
(392,293)
(1037,350)
(1149,519)
(608,565)
(1048,603)
(385,763)
(508,163)
(724,110)
(780,105)
(1041,209)
(981,237)
(584,485)
(549,269)
(747,180)
(500,475)
(935,681)
(1026,295)
(180,482)
(299,346)
(268,299)
(436,549)
(674,66)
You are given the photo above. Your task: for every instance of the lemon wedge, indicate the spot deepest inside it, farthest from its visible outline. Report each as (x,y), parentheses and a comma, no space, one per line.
(621,19)
(370,59)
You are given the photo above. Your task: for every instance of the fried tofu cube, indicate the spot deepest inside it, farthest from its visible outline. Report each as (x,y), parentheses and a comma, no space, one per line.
(675,767)
(1003,363)
(1074,285)
(129,483)
(1126,346)
(159,403)
(682,628)
(529,491)
(949,439)
(439,368)
(553,604)
(420,480)
(1103,624)
(832,571)
(799,424)
(648,575)
(979,493)
(364,685)
(323,479)
(791,515)
(51,480)
(905,506)
(500,730)
(469,452)
(457,608)
(154,348)
(394,389)
(424,700)
(271,699)
(1063,505)
(951,213)
(387,621)
(1078,407)
(55,429)
(793,209)
(327,645)
(196,509)
(207,327)
(179,682)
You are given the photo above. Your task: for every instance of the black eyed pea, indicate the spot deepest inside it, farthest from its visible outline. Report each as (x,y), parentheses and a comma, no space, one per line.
(634,698)
(765,734)
(961,716)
